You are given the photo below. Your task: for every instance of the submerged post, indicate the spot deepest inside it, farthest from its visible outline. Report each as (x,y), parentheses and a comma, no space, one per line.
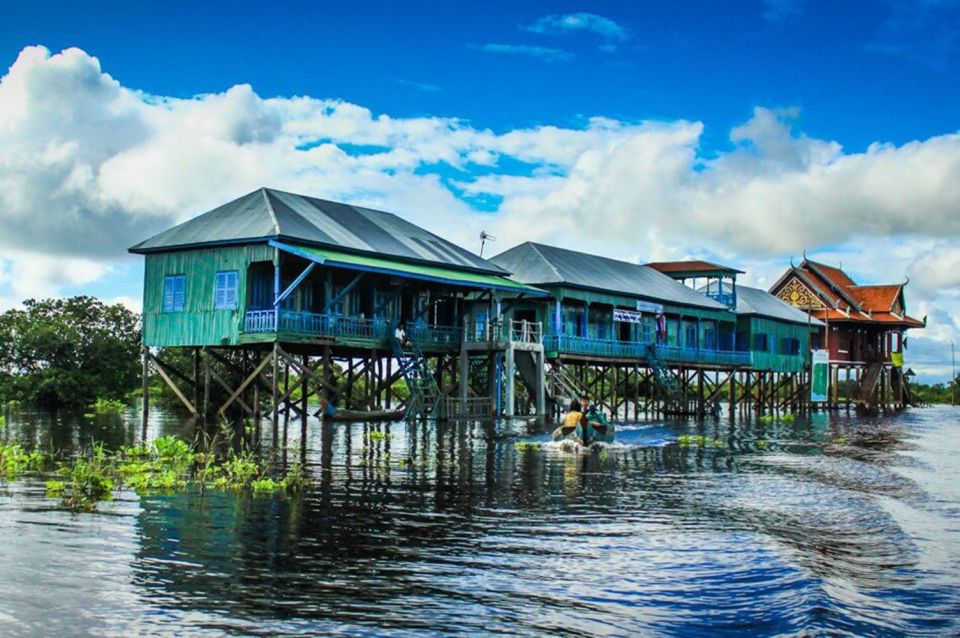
(145,411)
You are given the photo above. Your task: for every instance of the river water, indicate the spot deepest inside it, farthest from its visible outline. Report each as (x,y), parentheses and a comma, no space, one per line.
(834,525)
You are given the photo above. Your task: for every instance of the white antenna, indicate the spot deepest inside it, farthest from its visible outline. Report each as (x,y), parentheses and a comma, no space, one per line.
(484,236)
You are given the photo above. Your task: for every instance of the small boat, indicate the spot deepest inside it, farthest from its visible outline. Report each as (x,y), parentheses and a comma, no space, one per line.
(332,413)
(593,428)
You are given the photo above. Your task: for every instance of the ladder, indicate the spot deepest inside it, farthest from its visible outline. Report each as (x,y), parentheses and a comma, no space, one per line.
(561,385)
(866,392)
(665,381)
(424,393)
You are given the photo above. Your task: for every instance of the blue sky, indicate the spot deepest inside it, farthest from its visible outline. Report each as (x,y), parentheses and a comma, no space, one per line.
(744,132)
(860,71)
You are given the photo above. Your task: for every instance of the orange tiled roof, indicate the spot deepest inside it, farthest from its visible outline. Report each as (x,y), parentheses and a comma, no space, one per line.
(847,301)
(876,298)
(692,265)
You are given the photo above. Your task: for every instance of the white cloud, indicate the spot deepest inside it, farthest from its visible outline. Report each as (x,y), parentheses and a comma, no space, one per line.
(89,167)
(548,54)
(580,21)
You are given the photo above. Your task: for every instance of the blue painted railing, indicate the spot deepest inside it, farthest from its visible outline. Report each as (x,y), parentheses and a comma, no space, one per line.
(702,355)
(333,325)
(598,347)
(638,350)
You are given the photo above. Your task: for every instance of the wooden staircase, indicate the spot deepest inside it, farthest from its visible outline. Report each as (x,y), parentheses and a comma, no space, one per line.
(866,391)
(667,385)
(425,395)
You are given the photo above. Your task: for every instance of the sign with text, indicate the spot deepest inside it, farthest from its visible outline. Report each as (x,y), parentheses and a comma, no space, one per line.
(819,375)
(627,316)
(646,306)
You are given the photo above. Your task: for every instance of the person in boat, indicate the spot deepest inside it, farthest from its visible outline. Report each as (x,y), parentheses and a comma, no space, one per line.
(400,334)
(573,419)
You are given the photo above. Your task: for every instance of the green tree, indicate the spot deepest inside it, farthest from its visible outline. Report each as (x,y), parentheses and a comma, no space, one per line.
(68,352)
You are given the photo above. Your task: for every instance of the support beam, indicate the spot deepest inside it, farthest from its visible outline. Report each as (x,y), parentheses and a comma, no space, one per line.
(296,282)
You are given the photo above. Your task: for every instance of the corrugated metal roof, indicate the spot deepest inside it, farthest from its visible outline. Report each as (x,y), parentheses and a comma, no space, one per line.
(753,301)
(539,264)
(272,214)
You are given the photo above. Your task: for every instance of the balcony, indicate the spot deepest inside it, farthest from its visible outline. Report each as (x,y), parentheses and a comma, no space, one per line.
(597,347)
(516,331)
(702,355)
(345,328)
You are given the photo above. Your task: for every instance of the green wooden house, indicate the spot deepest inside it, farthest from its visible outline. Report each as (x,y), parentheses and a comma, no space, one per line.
(276,266)
(606,308)
(776,334)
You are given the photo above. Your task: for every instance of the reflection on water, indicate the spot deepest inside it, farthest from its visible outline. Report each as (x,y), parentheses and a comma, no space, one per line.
(850,526)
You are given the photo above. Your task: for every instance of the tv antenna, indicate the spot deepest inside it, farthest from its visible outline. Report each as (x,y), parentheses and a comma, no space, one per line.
(484,236)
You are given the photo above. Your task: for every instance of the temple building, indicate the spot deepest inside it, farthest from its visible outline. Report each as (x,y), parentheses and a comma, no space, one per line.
(865,329)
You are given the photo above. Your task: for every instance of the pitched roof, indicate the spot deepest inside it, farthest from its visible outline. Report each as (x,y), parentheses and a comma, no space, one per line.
(753,301)
(539,264)
(879,298)
(271,214)
(844,299)
(691,266)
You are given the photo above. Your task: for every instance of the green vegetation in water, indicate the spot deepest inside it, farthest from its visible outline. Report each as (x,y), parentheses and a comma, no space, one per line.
(524,446)
(766,419)
(840,441)
(761,445)
(698,440)
(15,461)
(166,465)
(107,406)
(375,436)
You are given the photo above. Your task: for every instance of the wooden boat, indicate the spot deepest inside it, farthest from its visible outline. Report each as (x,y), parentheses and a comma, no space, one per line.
(331,413)
(596,428)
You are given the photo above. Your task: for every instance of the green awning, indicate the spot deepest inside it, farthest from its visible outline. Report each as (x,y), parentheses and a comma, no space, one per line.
(439,274)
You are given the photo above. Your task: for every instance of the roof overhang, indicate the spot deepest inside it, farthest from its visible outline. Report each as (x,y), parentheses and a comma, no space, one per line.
(436,274)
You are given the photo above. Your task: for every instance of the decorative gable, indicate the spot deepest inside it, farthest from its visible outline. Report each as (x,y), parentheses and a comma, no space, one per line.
(798,295)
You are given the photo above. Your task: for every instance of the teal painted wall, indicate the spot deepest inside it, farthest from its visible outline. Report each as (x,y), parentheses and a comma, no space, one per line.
(777,331)
(199,324)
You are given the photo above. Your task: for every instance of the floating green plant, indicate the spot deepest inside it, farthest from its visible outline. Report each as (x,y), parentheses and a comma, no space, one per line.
(766,419)
(761,445)
(107,406)
(698,440)
(840,441)
(375,436)
(523,446)
(788,418)
(15,461)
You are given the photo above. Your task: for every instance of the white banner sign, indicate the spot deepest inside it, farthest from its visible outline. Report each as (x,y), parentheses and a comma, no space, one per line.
(627,316)
(646,306)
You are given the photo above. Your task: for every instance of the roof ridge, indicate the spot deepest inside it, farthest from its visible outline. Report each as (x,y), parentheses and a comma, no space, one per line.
(272,213)
(547,261)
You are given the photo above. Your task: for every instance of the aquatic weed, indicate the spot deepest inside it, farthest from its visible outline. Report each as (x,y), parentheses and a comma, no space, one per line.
(15,461)
(524,446)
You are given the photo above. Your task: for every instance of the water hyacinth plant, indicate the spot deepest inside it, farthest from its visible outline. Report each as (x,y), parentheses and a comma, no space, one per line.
(167,464)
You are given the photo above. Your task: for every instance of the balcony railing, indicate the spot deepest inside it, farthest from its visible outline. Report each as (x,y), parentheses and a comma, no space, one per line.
(354,328)
(522,331)
(702,355)
(598,347)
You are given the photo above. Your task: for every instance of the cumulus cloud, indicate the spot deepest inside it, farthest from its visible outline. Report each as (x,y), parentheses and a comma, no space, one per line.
(581,21)
(89,166)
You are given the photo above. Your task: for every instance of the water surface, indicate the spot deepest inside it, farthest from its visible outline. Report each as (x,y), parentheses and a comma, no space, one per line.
(832,525)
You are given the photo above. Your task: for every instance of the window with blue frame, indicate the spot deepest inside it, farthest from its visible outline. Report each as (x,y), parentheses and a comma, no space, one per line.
(225,290)
(174,292)
(760,342)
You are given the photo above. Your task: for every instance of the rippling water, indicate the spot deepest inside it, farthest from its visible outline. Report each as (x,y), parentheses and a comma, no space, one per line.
(832,525)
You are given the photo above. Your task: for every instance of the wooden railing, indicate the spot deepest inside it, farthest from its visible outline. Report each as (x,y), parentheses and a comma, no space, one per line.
(334,325)
(598,347)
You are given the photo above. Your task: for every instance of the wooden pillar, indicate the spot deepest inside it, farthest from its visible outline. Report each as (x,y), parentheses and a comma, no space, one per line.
(274,394)
(303,401)
(700,402)
(206,386)
(196,377)
(145,410)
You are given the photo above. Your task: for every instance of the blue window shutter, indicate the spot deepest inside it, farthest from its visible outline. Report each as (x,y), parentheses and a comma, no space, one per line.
(230,294)
(168,294)
(219,290)
(180,284)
